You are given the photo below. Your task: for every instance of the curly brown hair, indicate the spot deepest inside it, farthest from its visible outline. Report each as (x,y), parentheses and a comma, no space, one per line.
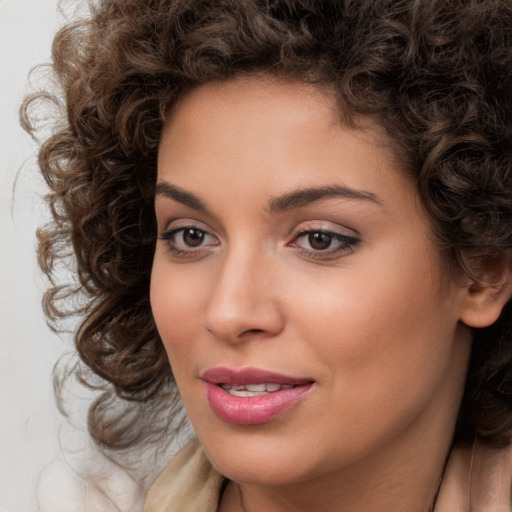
(436,74)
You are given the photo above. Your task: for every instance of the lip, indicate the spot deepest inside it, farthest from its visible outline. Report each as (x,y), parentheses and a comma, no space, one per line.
(257,409)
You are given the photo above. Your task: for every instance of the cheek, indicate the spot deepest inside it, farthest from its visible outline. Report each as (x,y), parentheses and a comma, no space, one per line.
(176,303)
(383,351)
(385,325)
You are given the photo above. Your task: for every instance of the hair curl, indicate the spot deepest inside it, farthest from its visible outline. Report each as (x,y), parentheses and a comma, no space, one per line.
(436,74)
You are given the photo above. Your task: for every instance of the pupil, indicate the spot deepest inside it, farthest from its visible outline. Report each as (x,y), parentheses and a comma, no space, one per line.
(193,237)
(319,241)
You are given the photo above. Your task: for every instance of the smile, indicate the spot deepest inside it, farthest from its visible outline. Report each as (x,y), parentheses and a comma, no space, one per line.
(252,396)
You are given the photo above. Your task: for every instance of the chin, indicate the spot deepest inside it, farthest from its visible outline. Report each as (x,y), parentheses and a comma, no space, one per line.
(259,459)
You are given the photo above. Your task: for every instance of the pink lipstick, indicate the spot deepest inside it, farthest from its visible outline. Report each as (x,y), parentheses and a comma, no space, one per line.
(252,396)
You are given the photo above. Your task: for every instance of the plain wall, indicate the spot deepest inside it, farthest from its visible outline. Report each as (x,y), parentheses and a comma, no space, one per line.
(29,421)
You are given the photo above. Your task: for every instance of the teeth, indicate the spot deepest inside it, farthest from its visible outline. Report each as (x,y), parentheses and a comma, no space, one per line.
(257,387)
(248,390)
(235,392)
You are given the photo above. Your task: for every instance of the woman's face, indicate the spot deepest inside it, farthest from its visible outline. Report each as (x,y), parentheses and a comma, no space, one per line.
(304,308)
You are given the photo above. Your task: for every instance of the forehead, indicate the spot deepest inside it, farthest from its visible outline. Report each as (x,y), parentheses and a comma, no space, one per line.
(243,91)
(259,119)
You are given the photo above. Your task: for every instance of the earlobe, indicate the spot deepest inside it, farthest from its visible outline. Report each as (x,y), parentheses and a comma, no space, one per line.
(486,296)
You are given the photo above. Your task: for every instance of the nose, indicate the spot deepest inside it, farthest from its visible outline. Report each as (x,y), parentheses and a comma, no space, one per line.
(244,301)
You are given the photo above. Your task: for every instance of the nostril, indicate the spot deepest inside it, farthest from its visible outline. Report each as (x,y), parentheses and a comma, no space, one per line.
(252,331)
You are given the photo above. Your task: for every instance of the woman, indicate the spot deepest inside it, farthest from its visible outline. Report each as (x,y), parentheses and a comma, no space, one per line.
(298,215)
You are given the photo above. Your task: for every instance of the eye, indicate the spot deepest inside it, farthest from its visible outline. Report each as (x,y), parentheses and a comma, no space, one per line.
(319,243)
(188,240)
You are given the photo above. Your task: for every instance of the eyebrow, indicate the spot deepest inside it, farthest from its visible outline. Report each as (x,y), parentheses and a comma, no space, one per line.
(165,189)
(288,201)
(306,196)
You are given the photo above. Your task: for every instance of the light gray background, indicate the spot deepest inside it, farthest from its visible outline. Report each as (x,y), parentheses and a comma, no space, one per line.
(29,421)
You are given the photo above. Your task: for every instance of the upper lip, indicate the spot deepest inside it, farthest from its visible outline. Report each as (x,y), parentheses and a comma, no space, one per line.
(222,375)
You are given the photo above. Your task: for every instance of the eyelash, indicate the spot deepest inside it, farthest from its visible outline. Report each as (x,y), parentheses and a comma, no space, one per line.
(346,243)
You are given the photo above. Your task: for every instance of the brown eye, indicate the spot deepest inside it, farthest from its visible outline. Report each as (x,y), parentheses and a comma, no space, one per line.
(319,241)
(193,237)
(323,244)
(188,240)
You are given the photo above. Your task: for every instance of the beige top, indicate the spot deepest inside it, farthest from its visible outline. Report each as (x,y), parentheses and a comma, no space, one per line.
(189,483)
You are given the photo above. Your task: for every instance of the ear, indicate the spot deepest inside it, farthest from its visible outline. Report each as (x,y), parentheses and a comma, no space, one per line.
(487,294)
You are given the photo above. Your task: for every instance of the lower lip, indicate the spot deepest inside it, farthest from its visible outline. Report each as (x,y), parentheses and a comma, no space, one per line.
(253,410)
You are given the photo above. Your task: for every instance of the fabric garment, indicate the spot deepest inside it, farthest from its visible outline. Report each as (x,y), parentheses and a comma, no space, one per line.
(189,483)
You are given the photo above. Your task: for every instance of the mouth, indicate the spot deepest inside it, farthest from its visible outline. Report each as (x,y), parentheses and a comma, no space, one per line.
(252,396)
